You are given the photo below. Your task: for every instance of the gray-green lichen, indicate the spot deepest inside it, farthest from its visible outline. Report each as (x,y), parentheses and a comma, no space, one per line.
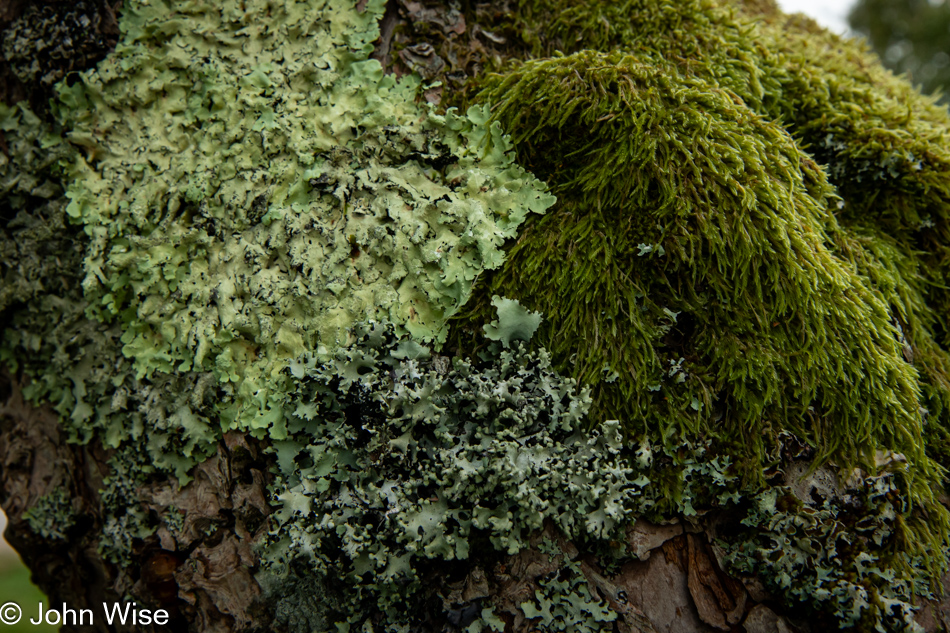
(125,521)
(513,322)
(46,42)
(564,603)
(835,542)
(834,557)
(399,459)
(42,257)
(52,516)
(396,456)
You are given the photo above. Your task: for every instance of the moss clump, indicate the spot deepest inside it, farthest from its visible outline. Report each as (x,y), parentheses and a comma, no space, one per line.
(693,255)
(749,235)
(885,150)
(883,145)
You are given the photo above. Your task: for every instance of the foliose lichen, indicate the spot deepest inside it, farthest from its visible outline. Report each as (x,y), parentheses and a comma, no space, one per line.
(32,207)
(250,191)
(52,516)
(125,522)
(564,603)
(400,460)
(397,457)
(843,556)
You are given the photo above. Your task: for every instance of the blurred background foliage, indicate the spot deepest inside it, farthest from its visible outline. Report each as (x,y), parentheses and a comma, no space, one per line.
(15,586)
(911,36)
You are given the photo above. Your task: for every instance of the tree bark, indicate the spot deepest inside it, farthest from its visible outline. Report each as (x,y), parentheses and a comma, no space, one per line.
(205,575)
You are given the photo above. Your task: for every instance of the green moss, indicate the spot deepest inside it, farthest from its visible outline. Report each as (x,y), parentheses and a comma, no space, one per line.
(885,147)
(883,144)
(748,236)
(744,310)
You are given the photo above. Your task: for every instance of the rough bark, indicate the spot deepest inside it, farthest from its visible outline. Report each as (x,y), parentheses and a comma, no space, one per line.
(203,576)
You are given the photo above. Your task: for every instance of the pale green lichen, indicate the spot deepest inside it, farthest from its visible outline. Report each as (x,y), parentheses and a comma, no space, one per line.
(78,368)
(75,364)
(251,191)
(513,323)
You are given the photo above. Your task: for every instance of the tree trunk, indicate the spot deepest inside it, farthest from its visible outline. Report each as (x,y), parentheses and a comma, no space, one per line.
(206,572)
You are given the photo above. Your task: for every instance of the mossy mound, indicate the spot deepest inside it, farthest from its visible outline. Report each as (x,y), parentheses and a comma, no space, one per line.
(750,236)
(750,230)
(690,270)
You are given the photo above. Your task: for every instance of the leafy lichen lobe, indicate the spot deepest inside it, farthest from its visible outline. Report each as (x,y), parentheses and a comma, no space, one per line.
(250,191)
